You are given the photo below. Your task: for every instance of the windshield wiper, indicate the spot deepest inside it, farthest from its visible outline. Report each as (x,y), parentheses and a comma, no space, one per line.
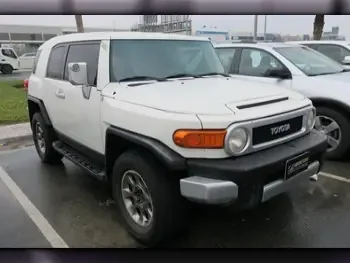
(214,73)
(321,74)
(182,75)
(140,78)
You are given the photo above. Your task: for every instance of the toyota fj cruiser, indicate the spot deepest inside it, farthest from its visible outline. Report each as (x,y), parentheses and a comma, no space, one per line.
(155,116)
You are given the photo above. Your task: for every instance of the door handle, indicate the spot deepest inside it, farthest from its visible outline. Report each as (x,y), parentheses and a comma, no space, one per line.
(60,94)
(3,60)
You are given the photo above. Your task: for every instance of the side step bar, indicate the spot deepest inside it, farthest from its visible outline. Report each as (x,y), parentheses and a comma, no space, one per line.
(79,159)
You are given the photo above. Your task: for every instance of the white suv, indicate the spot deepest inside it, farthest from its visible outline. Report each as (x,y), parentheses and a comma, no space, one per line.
(155,116)
(304,70)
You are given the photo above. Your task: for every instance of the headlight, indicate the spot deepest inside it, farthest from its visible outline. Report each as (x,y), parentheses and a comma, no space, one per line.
(237,140)
(311,119)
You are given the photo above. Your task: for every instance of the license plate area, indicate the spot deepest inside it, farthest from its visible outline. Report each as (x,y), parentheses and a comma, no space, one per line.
(296,165)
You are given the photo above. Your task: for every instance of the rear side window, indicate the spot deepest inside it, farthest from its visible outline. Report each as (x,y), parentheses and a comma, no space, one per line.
(88,53)
(56,62)
(36,61)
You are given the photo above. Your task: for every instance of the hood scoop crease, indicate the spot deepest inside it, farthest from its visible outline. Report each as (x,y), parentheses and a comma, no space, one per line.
(260,103)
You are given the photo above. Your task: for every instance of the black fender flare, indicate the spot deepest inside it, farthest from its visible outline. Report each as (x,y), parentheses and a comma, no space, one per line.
(42,108)
(167,156)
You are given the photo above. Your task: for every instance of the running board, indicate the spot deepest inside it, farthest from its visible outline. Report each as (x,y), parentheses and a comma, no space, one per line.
(79,159)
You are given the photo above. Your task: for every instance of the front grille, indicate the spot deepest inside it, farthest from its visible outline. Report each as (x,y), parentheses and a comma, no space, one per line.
(282,129)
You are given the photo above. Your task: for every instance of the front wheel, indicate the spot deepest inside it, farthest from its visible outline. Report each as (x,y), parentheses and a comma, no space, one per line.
(336,126)
(148,197)
(6,69)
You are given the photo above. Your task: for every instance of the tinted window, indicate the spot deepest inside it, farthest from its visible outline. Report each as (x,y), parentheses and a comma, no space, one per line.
(36,61)
(335,52)
(162,58)
(257,63)
(226,56)
(8,53)
(88,53)
(313,46)
(56,62)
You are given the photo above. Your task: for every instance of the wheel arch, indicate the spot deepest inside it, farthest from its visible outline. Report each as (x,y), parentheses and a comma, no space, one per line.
(333,104)
(119,140)
(37,105)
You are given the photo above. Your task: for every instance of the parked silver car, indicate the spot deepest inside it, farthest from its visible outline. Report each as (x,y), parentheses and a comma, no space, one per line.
(303,69)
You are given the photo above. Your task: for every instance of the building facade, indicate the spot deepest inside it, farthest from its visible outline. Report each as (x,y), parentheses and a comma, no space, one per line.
(27,39)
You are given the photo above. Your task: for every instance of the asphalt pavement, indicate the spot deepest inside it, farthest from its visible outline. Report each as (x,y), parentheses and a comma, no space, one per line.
(16,75)
(60,205)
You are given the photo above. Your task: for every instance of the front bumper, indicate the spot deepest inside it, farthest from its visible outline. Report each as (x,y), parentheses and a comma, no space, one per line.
(252,179)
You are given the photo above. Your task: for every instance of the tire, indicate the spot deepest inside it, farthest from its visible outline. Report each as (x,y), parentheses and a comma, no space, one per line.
(47,153)
(169,207)
(6,69)
(344,126)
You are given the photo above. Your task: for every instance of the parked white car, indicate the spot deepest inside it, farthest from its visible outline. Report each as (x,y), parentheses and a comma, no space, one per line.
(8,60)
(337,50)
(26,61)
(156,116)
(301,69)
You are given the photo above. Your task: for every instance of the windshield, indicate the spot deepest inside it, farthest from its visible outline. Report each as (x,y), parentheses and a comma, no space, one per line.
(309,61)
(159,59)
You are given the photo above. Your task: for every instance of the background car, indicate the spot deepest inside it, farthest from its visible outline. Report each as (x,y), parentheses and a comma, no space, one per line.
(303,69)
(336,50)
(26,61)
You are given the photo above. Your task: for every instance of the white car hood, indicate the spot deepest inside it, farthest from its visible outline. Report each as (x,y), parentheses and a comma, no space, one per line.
(340,77)
(207,96)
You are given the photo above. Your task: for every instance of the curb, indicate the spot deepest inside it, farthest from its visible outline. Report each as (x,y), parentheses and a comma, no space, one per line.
(4,142)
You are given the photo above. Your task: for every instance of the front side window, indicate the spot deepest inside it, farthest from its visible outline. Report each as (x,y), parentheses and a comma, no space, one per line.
(311,62)
(88,53)
(335,52)
(258,63)
(8,53)
(161,58)
(226,56)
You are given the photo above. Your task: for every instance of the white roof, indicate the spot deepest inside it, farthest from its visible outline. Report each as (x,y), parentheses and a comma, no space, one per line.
(258,44)
(343,42)
(116,35)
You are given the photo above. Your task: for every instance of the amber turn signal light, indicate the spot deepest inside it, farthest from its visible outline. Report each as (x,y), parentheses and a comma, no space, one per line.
(200,139)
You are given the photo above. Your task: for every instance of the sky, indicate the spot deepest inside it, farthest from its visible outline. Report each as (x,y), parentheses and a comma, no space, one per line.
(283,24)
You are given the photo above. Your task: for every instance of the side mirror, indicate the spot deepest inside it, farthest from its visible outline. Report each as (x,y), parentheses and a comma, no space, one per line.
(77,73)
(278,73)
(346,60)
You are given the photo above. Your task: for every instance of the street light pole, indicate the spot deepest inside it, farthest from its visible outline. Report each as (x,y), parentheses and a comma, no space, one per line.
(265,25)
(255,27)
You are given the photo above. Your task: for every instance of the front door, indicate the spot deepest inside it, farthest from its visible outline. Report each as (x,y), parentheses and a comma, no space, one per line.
(253,63)
(82,122)
(9,56)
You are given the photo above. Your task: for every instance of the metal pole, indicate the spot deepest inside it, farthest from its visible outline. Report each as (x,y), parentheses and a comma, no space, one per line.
(265,25)
(255,27)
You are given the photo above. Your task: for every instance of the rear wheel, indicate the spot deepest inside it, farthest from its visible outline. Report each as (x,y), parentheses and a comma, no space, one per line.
(43,137)
(336,126)
(6,69)
(148,198)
